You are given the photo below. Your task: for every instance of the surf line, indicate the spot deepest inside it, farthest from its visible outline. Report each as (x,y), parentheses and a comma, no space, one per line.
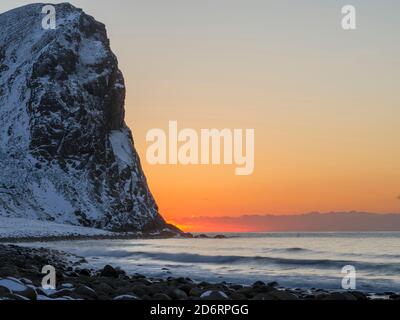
(210,146)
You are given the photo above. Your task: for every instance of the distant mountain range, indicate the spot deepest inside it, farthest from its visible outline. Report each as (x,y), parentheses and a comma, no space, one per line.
(310,222)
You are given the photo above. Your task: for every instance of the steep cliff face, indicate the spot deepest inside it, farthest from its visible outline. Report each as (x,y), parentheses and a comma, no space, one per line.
(66,154)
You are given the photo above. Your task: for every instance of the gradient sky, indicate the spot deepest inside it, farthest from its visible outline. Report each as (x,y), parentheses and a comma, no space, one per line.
(325,103)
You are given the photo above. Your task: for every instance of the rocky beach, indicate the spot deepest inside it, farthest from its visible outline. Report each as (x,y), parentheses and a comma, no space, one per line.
(21,278)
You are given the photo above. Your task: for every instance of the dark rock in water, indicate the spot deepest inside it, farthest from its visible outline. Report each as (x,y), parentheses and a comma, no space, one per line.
(177,294)
(104,288)
(161,297)
(16,287)
(337,296)
(202,236)
(6,271)
(214,295)
(262,289)
(61,293)
(158,288)
(121,273)
(196,292)
(146,282)
(236,286)
(247,292)
(181,280)
(264,296)
(258,283)
(15,297)
(59,275)
(186,288)
(4,291)
(359,295)
(237,296)
(204,284)
(283,295)
(26,281)
(86,292)
(85,272)
(109,271)
(273,284)
(29,293)
(72,274)
(126,297)
(62,129)
(140,290)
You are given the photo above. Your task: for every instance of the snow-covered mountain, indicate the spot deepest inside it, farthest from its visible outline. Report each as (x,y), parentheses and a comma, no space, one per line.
(66,154)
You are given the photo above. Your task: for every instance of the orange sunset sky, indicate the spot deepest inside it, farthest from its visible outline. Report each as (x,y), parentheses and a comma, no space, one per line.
(324,102)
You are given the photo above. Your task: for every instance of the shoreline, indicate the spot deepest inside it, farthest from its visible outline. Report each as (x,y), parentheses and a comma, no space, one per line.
(115,236)
(12,240)
(20,279)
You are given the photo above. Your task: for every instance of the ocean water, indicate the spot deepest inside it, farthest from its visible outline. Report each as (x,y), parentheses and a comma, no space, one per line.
(296,260)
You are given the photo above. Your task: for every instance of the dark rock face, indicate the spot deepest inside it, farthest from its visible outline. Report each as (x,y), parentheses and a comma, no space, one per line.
(66,152)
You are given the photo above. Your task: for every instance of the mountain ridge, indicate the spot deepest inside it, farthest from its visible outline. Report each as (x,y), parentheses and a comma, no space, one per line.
(350,221)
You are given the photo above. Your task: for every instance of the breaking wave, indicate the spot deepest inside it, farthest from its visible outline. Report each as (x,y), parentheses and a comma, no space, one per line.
(245,260)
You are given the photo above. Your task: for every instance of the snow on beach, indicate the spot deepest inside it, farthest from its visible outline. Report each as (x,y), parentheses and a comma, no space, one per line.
(26,228)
